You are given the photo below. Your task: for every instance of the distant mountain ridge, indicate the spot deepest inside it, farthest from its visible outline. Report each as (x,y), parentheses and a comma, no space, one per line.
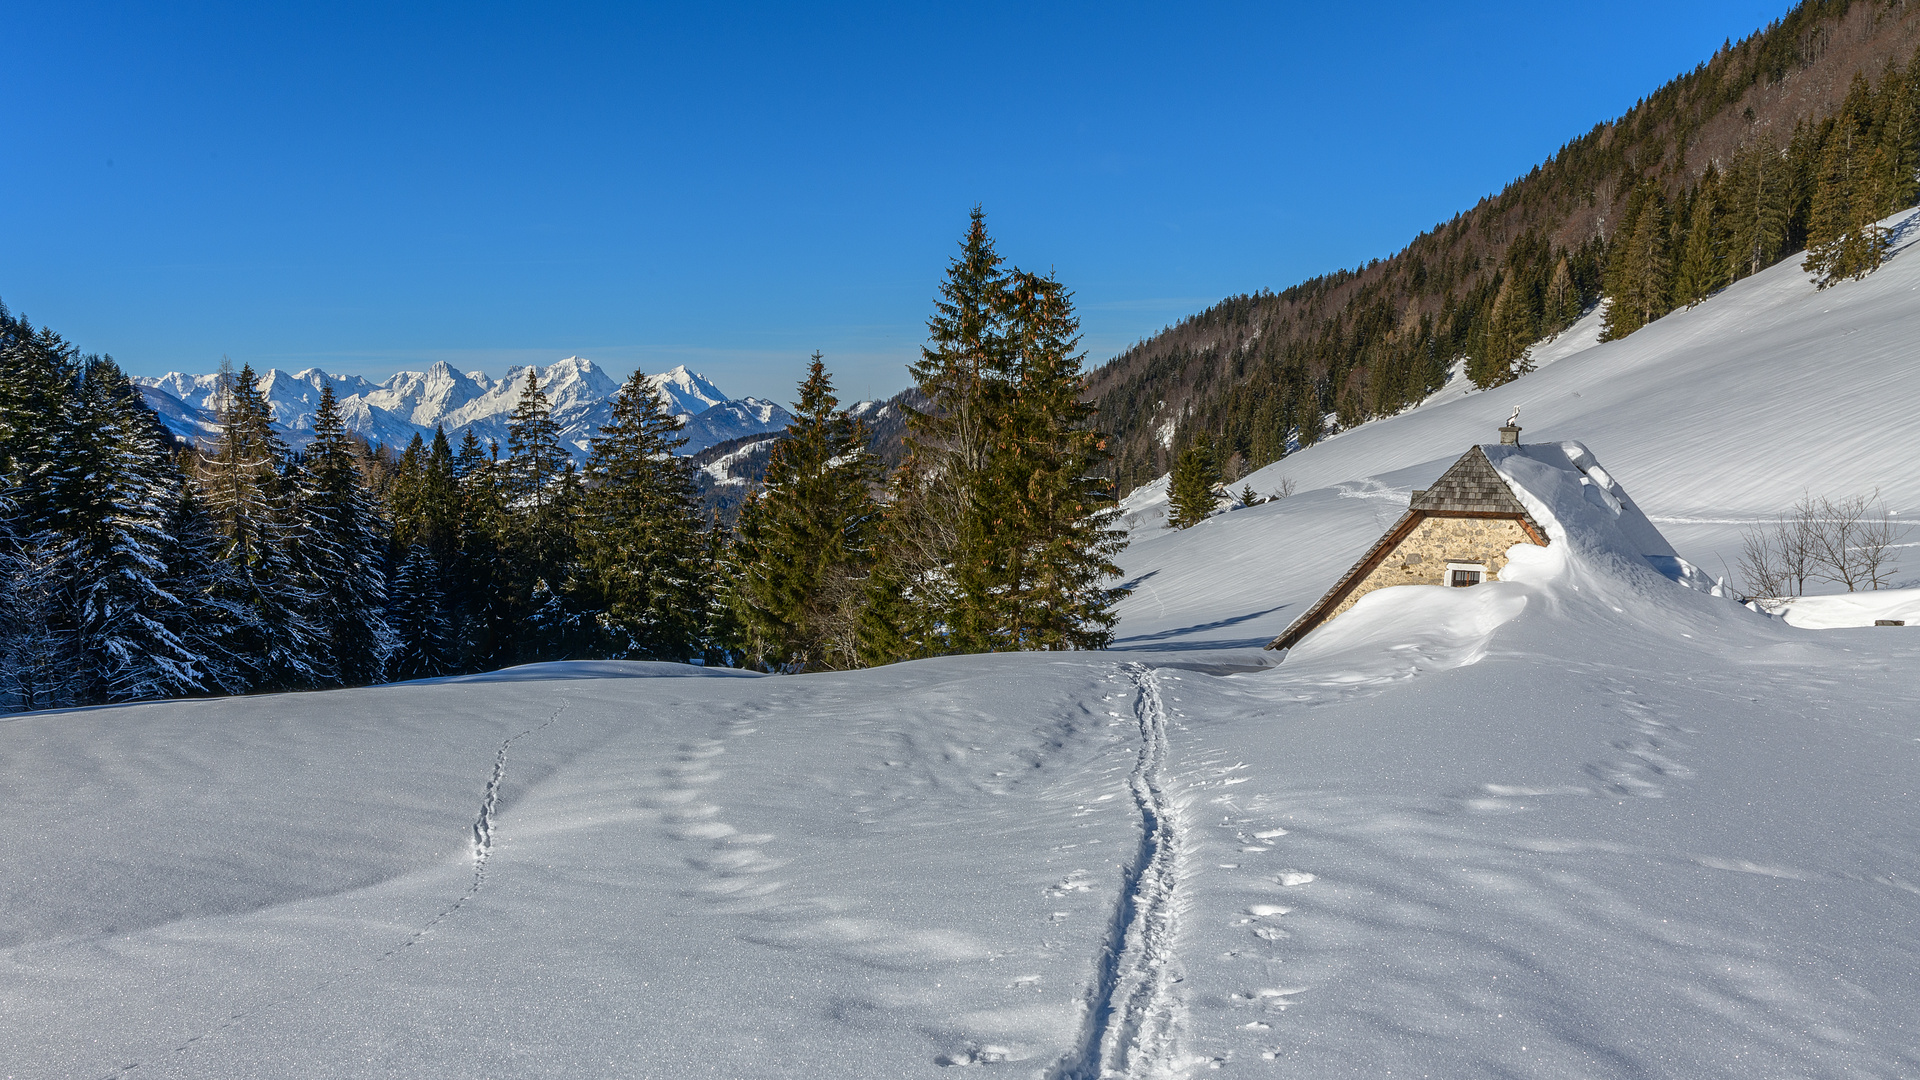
(416,402)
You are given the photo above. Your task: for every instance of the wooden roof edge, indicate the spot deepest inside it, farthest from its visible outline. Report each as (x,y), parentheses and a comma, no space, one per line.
(1313,616)
(1524,517)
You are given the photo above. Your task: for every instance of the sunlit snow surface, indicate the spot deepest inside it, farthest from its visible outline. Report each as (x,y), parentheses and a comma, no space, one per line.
(1579,822)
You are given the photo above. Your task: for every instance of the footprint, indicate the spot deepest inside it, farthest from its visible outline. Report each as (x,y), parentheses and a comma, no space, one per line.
(1291,878)
(1072,883)
(980,1055)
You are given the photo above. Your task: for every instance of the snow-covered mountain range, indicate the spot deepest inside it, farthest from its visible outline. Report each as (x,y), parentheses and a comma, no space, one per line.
(416,402)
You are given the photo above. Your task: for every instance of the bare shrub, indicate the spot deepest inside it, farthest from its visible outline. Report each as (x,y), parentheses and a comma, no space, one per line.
(1849,541)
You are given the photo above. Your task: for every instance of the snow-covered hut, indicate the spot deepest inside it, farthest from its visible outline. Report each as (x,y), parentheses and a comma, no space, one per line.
(1458,532)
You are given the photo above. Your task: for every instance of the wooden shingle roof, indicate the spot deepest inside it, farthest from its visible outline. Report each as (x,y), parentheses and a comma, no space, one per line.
(1470,486)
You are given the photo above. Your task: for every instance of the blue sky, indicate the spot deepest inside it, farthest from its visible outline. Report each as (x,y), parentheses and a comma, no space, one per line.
(372,188)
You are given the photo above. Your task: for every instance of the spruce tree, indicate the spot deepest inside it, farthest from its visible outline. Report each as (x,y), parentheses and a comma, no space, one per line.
(1193,489)
(1844,239)
(1702,268)
(1048,518)
(536,458)
(1640,266)
(216,625)
(1756,203)
(343,548)
(798,568)
(484,601)
(1896,139)
(405,494)
(416,614)
(642,578)
(438,525)
(542,490)
(964,357)
(933,526)
(119,478)
(250,499)
(41,665)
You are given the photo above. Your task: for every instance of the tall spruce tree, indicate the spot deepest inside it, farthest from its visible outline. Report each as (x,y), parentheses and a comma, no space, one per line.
(934,531)
(41,665)
(802,553)
(204,579)
(246,493)
(343,546)
(1757,205)
(1702,267)
(543,491)
(1048,517)
(120,483)
(643,577)
(483,602)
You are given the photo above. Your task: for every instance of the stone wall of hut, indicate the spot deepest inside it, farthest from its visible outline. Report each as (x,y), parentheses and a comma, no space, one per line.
(1422,558)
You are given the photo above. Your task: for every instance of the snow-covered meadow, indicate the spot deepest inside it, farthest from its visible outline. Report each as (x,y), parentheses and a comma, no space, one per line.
(1580,822)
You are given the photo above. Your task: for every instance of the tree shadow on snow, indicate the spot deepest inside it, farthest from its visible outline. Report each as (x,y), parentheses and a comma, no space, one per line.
(1163,640)
(573,670)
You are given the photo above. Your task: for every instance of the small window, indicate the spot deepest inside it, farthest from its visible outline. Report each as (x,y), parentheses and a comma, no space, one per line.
(1461,575)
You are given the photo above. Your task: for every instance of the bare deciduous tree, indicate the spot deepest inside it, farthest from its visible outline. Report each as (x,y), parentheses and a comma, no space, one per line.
(1848,541)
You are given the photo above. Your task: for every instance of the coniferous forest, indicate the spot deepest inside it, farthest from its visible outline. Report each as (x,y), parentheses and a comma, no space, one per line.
(1791,142)
(136,566)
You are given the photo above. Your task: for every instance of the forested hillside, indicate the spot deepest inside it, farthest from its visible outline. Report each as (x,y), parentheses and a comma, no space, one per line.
(1794,139)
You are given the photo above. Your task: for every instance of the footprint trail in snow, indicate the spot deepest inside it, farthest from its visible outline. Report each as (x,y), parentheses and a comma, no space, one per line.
(1136,1012)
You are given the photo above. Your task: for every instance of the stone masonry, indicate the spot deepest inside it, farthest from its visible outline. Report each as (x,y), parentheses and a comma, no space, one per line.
(1422,558)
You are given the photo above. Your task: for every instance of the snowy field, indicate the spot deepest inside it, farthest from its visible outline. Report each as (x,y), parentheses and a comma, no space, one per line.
(1581,822)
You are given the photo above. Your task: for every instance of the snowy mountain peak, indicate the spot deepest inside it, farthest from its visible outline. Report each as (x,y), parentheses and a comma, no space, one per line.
(685,393)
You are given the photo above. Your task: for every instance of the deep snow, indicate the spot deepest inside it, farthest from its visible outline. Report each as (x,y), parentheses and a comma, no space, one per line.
(1585,821)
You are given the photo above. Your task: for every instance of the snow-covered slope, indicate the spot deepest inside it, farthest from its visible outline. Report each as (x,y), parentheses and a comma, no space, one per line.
(1585,821)
(1715,418)
(416,402)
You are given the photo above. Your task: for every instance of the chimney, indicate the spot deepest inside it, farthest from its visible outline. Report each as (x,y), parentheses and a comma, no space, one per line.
(1510,434)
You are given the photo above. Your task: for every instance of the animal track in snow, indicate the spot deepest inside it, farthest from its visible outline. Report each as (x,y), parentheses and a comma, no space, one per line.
(1645,766)
(483,833)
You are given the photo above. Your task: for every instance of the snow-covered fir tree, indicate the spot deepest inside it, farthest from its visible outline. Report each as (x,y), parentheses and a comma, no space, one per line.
(343,546)
(642,563)
(118,479)
(543,493)
(416,615)
(249,497)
